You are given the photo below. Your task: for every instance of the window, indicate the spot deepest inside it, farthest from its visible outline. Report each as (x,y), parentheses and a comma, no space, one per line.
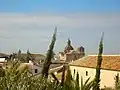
(36,71)
(86,73)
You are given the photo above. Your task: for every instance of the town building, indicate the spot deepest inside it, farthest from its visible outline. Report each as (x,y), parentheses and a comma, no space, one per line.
(86,67)
(70,54)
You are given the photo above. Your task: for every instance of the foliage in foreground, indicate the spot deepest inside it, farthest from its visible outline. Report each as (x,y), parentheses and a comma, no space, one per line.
(98,67)
(49,56)
(18,77)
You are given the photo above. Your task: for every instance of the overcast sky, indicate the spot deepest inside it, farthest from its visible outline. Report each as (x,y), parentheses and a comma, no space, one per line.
(30,24)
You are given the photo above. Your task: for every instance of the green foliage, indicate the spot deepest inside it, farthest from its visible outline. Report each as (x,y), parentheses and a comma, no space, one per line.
(18,77)
(28,57)
(77,78)
(117,82)
(87,85)
(69,83)
(19,55)
(63,75)
(49,56)
(98,67)
(77,81)
(68,76)
(73,84)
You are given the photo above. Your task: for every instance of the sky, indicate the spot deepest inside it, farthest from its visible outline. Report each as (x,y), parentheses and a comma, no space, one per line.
(29,24)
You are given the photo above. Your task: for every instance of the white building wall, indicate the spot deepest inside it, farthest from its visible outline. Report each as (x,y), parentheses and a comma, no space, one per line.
(32,68)
(2,60)
(107,76)
(62,57)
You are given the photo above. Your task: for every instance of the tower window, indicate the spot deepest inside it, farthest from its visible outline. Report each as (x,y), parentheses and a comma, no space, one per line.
(36,71)
(86,73)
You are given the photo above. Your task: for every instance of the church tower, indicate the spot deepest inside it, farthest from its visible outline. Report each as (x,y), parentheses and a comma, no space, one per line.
(81,50)
(69,47)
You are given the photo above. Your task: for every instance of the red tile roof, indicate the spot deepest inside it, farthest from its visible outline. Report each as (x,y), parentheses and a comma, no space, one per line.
(111,62)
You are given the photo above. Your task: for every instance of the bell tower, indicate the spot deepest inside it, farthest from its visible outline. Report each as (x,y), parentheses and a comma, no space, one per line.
(68,47)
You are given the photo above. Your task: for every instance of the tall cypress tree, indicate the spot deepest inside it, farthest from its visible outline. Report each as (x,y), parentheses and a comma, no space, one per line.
(68,76)
(98,67)
(47,61)
(117,87)
(63,75)
(19,55)
(28,56)
(69,85)
(77,81)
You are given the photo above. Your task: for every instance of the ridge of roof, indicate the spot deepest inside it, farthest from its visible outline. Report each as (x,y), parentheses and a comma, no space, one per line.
(83,58)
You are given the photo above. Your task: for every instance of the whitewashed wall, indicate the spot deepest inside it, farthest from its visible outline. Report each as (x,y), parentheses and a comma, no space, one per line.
(36,67)
(107,76)
(32,68)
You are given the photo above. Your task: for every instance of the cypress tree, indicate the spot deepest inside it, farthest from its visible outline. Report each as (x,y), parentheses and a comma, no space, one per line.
(49,56)
(68,76)
(28,57)
(98,67)
(69,82)
(19,55)
(117,87)
(77,81)
(63,75)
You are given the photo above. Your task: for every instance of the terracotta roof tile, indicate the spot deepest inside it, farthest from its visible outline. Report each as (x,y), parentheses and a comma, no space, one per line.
(111,62)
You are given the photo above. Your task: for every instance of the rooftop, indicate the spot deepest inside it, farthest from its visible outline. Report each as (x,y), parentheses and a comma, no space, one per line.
(110,62)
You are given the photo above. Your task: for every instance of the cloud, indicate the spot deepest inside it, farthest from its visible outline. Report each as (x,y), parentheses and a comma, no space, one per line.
(70,21)
(24,30)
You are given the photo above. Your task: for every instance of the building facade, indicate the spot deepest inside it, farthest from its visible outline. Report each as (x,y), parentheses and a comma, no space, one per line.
(70,54)
(86,67)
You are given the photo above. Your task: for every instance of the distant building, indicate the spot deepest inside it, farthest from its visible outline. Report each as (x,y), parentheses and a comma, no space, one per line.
(34,64)
(3,60)
(24,57)
(38,58)
(70,54)
(2,63)
(34,69)
(86,67)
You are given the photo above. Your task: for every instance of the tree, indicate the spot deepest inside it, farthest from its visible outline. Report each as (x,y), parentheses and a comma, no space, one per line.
(77,81)
(69,83)
(98,67)
(63,75)
(117,82)
(28,57)
(19,55)
(49,56)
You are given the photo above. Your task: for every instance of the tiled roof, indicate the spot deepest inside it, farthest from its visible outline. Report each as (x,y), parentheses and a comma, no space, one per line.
(110,62)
